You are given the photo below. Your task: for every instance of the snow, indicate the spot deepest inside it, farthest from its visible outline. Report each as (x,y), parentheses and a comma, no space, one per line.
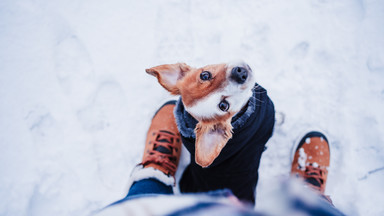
(75,101)
(302,160)
(315,165)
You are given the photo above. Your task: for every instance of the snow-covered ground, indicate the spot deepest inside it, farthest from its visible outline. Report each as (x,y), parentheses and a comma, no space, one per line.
(75,101)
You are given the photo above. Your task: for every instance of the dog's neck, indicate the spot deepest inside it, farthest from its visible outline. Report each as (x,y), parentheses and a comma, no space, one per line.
(186,123)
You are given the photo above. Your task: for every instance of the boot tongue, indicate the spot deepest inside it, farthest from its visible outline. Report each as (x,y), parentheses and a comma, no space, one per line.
(313,181)
(314,175)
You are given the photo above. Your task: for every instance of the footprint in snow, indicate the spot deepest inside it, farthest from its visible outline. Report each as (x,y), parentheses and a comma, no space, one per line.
(73,68)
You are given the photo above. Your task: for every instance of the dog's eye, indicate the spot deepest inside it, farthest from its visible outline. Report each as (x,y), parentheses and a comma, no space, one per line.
(224,105)
(205,75)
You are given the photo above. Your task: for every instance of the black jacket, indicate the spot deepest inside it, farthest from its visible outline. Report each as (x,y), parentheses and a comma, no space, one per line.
(236,167)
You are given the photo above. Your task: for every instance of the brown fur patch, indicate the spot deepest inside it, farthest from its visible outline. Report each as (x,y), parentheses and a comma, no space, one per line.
(192,88)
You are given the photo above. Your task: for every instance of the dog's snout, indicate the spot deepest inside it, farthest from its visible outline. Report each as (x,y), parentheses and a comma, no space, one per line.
(239,74)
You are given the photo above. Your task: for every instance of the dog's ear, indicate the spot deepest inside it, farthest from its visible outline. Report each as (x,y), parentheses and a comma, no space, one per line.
(210,140)
(169,74)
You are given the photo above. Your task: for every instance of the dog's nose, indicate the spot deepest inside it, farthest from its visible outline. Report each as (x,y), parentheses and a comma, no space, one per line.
(239,74)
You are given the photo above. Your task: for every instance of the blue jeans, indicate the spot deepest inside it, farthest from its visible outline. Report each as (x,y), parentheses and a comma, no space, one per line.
(152,187)
(146,187)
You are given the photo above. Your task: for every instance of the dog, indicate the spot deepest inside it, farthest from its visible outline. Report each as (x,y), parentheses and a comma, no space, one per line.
(212,95)
(217,97)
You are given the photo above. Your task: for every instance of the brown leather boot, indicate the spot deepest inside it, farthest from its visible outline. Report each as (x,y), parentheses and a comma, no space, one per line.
(311,161)
(163,143)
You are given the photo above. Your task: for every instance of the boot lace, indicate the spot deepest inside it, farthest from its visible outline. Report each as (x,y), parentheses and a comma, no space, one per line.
(162,151)
(315,176)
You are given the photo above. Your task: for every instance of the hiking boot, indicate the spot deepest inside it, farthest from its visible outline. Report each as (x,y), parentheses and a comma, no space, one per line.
(163,143)
(311,160)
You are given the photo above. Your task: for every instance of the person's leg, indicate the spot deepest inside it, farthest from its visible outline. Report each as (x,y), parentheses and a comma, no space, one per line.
(149,186)
(156,173)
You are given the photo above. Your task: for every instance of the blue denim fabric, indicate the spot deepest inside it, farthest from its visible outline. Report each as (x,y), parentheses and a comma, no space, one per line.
(149,186)
(293,203)
(146,187)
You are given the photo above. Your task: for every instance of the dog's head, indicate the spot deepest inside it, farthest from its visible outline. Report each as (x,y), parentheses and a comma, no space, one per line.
(212,94)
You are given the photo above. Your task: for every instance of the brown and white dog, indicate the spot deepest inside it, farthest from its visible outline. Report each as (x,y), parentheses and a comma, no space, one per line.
(212,94)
